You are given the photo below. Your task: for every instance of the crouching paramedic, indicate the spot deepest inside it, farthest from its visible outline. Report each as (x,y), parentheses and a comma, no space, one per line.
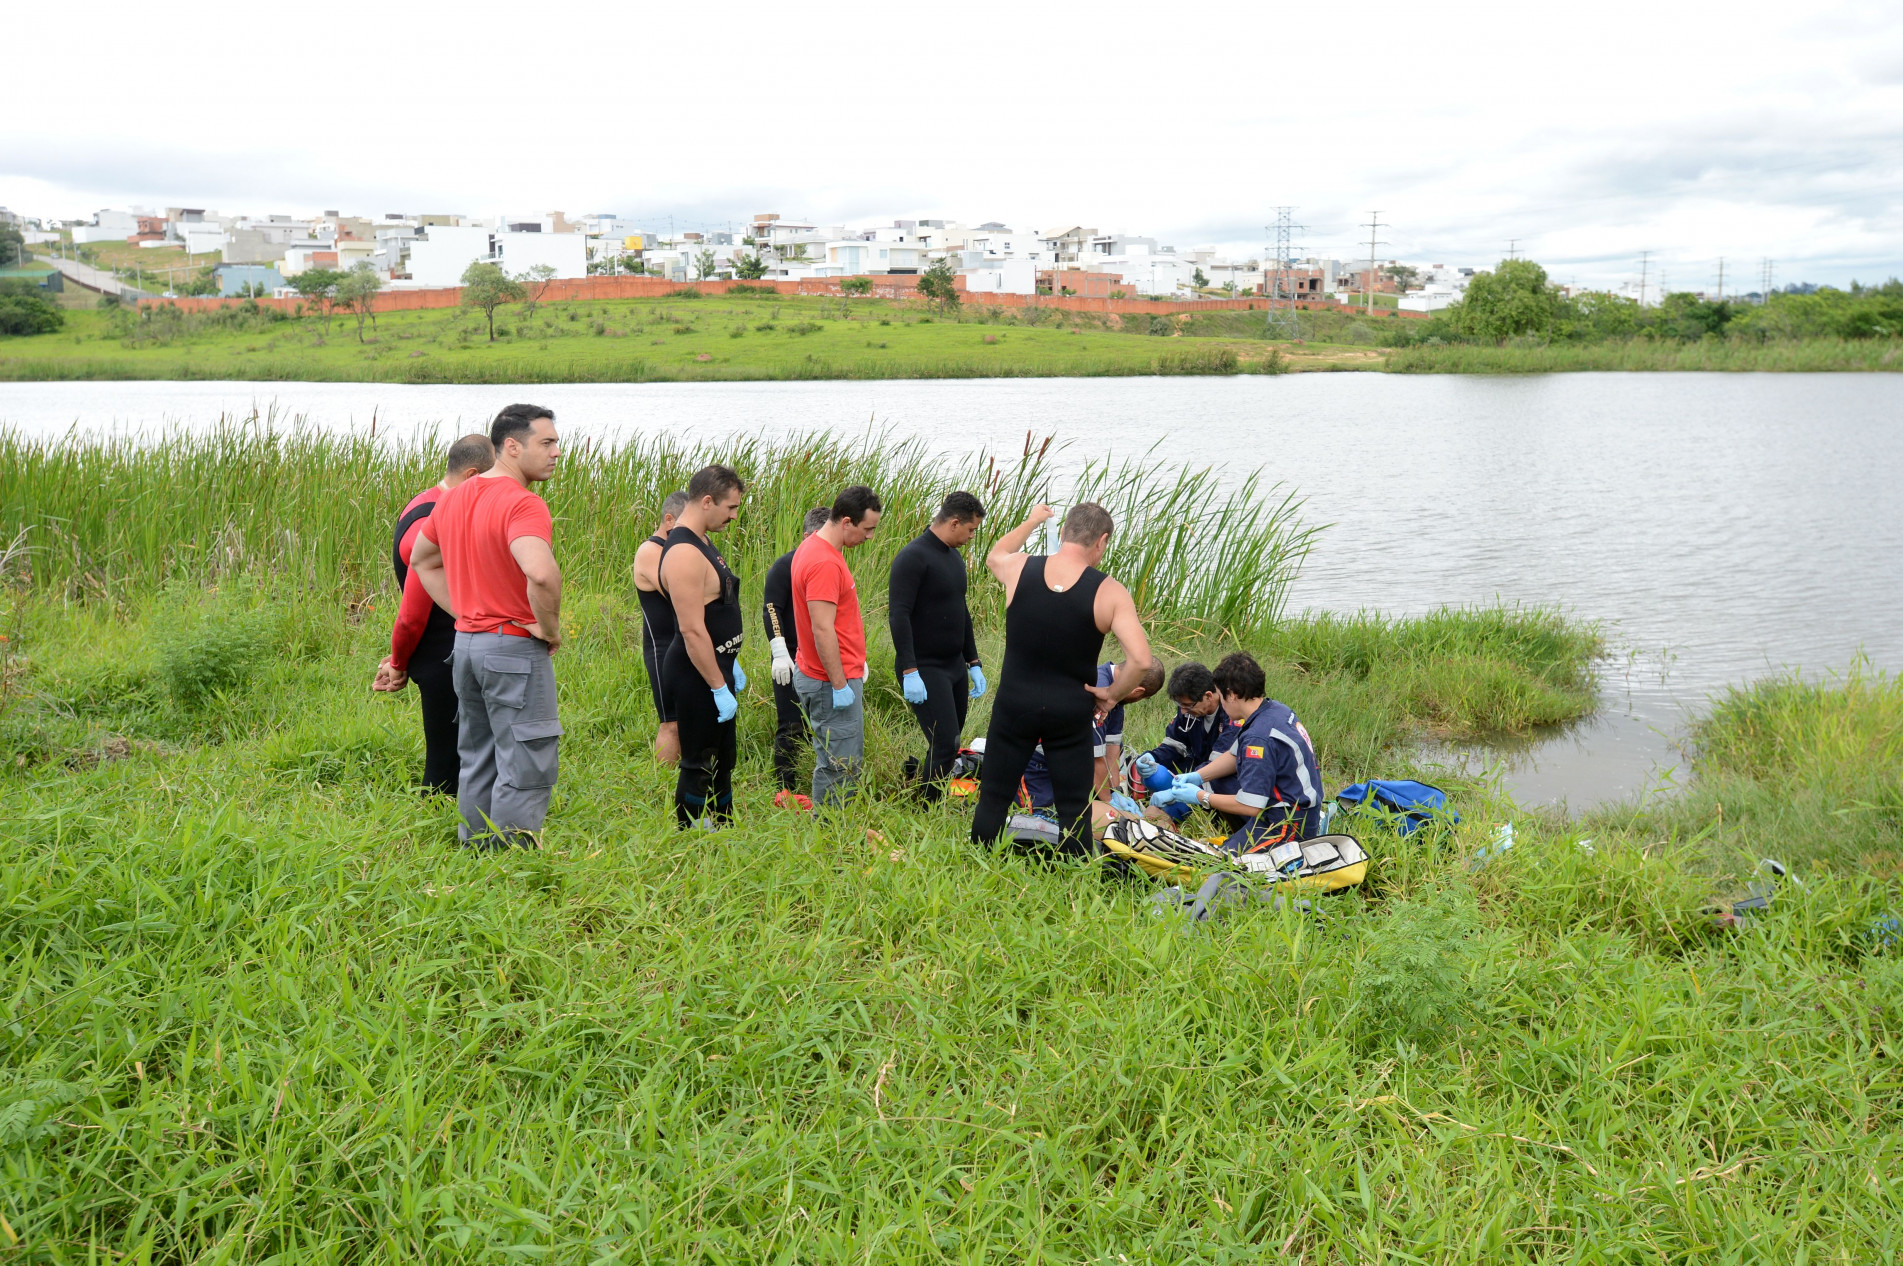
(1278,785)
(484,554)
(1190,740)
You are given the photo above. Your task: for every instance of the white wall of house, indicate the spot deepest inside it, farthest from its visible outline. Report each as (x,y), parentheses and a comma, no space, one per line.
(439,258)
(1008,276)
(1432,299)
(203,239)
(566,253)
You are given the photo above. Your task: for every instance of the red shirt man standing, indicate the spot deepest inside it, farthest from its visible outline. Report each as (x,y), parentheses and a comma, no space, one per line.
(830,666)
(486,555)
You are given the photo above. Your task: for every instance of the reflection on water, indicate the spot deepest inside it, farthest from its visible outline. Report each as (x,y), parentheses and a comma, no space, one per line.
(1721,526)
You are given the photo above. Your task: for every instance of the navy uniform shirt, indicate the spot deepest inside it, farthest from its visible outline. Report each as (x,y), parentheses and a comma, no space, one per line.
(1277,774)
(1188,741)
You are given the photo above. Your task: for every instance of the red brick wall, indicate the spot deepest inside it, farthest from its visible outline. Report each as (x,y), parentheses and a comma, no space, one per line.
(901,286)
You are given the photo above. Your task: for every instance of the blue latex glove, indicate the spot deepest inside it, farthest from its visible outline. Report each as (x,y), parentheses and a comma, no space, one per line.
(843,697)
(1191,779)
(977,682)
(1145,765)
(1174,795)
(725,705)
(913,686)
(739,677)
(1123,804)
(1160,779)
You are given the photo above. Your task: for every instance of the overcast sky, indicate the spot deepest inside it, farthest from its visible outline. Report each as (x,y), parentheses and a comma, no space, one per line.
(1588,133)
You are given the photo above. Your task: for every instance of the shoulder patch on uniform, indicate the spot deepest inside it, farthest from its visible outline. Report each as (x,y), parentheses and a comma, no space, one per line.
(1253,751)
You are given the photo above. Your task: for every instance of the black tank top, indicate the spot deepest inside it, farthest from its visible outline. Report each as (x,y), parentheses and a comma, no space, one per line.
(1051,637)
(657,613)
(723,613)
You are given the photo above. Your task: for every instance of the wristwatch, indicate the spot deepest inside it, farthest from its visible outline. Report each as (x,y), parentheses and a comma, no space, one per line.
(1202,795)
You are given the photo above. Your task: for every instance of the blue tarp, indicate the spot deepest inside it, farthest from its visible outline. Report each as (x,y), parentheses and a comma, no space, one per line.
(1417,802)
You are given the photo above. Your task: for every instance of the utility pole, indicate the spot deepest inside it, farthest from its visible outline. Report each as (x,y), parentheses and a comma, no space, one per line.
(1281,288)
(1764,289)
(1513,248)
(1644,260)
(1373,226)
(1721,279)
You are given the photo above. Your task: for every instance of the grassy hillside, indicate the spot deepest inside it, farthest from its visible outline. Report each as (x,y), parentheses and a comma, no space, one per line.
(643,340)
(258,1006)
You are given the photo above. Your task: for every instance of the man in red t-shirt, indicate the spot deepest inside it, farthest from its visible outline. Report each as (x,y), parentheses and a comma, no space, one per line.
(830,666)
(423,639)
(486,555)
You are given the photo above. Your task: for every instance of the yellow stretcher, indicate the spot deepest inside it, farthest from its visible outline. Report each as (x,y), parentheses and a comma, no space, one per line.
(1329,862)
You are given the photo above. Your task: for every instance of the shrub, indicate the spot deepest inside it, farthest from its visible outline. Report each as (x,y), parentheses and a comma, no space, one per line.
(855,285)
(213,653)
(28,314)
(742,288)
(805,327)
(1417,975)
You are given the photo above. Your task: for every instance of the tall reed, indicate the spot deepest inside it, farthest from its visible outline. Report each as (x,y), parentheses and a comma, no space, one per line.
(255,496)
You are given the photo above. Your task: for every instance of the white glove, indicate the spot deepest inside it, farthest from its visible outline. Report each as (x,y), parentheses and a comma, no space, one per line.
(782,662)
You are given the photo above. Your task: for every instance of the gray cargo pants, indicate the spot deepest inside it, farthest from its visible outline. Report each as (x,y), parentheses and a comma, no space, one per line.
(506,736)
(839,735)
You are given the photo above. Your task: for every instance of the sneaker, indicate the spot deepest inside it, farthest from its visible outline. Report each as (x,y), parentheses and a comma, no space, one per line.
(792,800)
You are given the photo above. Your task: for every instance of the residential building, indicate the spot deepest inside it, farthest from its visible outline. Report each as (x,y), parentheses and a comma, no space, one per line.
(440,256)
(1066,245)
(1006,276)
(107,226)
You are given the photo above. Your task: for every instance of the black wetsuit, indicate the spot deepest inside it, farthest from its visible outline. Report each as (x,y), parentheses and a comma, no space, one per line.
(707,743)
(1051,643)
(789,732)
(932,633)
(431,670)
(658,632)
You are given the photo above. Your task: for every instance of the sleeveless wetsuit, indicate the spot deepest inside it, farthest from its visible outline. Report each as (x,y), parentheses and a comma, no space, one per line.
(707,743)
(1051,643)
(658,631)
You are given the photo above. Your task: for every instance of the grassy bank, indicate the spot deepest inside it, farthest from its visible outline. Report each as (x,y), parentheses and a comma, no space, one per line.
(257,1006)
(1819,355)
(738,338)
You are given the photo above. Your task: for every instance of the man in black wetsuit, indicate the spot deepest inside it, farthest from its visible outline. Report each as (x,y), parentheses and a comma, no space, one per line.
(789,734)
(935,650)
(701,673)
(657,626)
(1057,610)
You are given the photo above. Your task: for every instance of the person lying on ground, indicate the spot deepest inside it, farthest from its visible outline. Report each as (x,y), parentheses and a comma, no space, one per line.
(1106,730)
(1276,797)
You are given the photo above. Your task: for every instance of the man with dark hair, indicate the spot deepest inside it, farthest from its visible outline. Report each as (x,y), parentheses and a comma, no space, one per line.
(789,731)
(657,625)
(423,640)
(935,647)
(1278,783)
(486,554)
(1193,735)
(1057,611)
(702,672)
(830,672)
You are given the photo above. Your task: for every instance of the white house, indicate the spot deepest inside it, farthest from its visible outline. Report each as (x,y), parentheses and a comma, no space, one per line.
(440,256)
(1007,276)
(202,239)
(107,226)
(1145,273)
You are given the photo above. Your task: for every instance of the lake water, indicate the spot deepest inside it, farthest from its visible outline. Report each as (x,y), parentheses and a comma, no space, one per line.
(1721,526)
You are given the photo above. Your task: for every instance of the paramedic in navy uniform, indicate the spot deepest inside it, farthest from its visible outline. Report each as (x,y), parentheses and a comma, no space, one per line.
(1278,784)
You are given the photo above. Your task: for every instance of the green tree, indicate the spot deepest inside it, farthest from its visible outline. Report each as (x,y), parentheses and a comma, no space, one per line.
(319,286)
(12,246)
(749,267)
(855,285)
(24,311)
(487,287)
(1514,300)
(1597,315)
(535,283)
(704,264)
(358,290)
(936,283)
(1404,276)
(1198,280)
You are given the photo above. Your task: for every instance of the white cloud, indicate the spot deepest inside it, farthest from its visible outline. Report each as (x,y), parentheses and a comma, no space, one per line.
(1588,134)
